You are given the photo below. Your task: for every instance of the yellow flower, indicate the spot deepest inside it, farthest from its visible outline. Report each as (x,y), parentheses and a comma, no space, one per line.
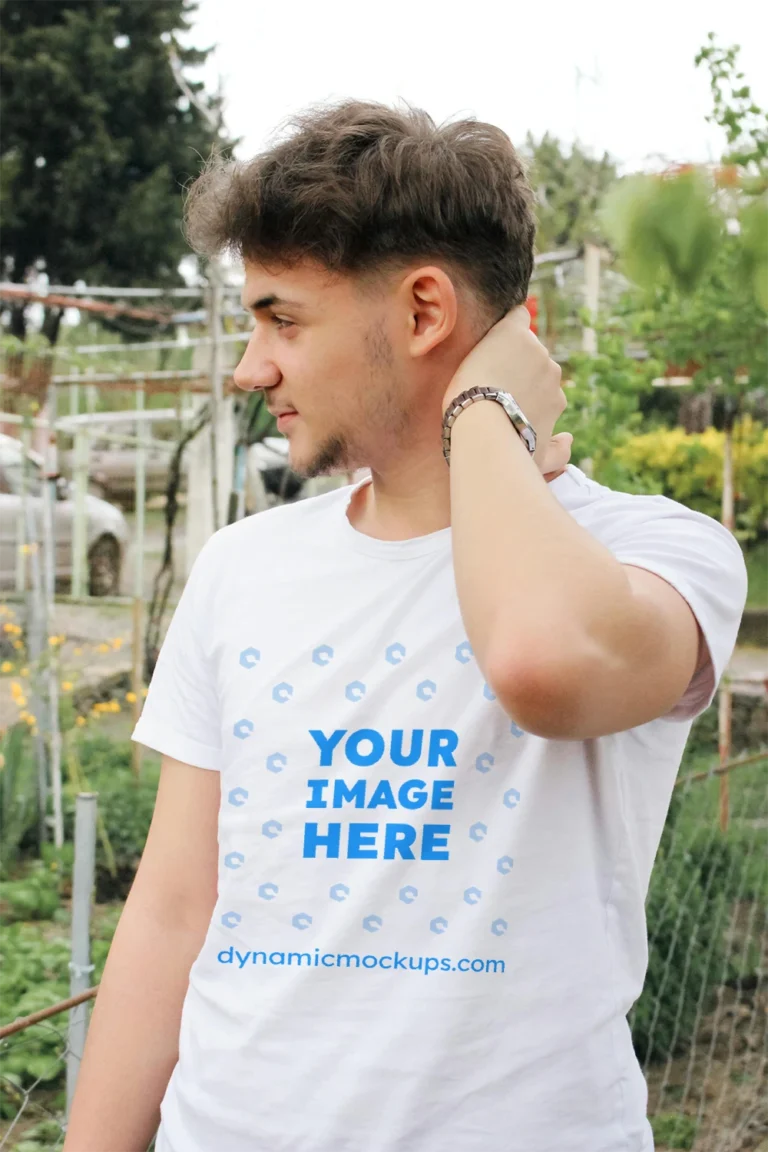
(23,715)
(21,701)
(80,721)
(6,666)
(18,645)
(54,640)
(66,686)
(130,697)
(117,642)
(9,628)
(16,688)
(115,706)
(24,672)
(102,648)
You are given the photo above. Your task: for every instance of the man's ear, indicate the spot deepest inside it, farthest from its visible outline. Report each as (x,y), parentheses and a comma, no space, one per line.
(431,308)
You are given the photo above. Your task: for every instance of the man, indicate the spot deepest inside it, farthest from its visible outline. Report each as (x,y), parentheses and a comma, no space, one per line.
(435,717)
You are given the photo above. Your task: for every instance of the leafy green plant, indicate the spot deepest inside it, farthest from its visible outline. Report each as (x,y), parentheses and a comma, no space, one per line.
(34,896)
(674,1130)
(34,975)
(603,394)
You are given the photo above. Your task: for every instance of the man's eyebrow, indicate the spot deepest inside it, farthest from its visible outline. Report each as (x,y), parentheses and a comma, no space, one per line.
(265,302)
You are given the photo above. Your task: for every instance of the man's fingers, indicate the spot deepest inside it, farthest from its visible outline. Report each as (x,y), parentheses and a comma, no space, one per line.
(557,456)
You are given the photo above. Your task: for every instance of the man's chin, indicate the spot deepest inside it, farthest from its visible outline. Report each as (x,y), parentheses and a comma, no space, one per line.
(331,459)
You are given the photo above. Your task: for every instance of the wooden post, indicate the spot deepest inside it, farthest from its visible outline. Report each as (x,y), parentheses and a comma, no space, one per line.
(724,717)
(727,513)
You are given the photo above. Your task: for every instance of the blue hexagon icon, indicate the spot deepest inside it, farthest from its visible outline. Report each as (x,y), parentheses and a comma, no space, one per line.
(231,919)
(243,729)
(464,652)
(322,655)
(249,657)
(472,895)
(499,927)
(395,654)
(504,865)
(355,691)
(478,832)
(408,894)
(276,762)
(339,892)
(238,796)
(426,690)
(489,695)
(515,730)
(301,920)
(485,762)
(234,860)
(438,925)
(271,828)
(268,891)
(281,693)
(511,798)
(372,923)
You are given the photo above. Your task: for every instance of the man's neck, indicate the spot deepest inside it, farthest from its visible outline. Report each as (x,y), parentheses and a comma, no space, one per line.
(412,499)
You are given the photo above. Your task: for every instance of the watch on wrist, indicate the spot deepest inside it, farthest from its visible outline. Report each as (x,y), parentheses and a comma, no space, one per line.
(509,404)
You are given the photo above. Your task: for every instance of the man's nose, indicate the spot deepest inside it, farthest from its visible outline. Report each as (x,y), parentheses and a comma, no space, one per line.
(256,370)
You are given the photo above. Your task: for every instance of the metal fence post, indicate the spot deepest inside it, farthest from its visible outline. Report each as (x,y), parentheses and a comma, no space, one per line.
(83,880)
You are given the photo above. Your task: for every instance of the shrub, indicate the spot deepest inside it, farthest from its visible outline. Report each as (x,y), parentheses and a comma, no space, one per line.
(689,468)
(125,806)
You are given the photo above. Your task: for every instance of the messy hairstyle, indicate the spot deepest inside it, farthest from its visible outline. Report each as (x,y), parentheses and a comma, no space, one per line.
(361,187)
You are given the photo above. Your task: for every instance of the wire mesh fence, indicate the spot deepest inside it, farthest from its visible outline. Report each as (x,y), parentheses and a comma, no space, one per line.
(700,1027)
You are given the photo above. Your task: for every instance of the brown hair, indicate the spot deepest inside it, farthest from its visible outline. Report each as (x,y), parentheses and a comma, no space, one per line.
(360,187)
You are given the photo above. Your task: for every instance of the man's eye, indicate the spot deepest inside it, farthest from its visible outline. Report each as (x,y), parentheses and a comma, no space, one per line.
(280,323)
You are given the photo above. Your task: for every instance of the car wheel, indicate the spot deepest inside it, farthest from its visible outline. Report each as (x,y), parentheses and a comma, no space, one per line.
(104,567)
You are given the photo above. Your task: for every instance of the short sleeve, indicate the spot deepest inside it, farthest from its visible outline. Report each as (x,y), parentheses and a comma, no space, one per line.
(180,716)
(700,559)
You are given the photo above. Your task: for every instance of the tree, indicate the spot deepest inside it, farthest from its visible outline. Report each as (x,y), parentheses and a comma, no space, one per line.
(569,187)
(98,141)
(694,241)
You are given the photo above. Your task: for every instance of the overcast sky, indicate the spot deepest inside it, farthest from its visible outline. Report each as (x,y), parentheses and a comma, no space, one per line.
(639,96)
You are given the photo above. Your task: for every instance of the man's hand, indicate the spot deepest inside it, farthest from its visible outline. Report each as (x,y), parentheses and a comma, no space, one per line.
(510,357)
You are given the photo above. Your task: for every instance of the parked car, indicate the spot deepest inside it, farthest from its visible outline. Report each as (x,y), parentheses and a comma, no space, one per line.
(106,532)
(112,470)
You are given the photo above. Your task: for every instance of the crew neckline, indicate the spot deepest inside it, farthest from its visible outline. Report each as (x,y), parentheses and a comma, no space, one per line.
(433,542)
(414,546)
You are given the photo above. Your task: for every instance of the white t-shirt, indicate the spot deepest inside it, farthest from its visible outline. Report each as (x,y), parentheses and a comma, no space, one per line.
(430,924)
